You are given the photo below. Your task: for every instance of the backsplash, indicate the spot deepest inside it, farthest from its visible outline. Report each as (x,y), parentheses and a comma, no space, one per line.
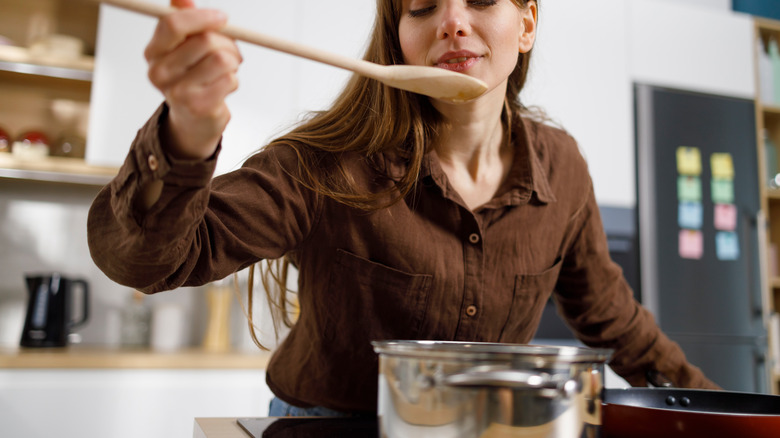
(43,229)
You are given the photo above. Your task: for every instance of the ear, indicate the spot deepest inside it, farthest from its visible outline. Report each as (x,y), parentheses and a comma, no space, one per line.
(528,26)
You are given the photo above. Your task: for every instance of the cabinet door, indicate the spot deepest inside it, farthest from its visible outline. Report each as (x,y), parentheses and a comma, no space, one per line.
(125,403)
(275,88)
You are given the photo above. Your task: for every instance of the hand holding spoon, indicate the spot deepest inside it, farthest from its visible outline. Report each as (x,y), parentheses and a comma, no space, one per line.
(430,81)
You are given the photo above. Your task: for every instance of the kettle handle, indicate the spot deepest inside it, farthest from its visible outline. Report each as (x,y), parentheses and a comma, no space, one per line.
(85,304)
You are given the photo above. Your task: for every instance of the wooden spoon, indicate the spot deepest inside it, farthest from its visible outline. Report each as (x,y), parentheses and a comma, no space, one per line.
(430,81)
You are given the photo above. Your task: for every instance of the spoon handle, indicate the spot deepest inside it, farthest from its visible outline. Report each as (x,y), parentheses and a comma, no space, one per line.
(360,66)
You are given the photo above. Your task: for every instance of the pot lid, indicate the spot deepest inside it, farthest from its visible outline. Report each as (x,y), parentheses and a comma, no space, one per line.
(468,351)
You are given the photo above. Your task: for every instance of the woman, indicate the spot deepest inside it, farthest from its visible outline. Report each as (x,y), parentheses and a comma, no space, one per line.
(407,217)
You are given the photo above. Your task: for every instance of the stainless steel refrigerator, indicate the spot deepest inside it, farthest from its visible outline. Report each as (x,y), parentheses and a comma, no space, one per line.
(699,219)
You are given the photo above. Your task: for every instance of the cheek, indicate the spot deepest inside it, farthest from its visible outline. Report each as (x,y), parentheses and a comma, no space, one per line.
(410,44)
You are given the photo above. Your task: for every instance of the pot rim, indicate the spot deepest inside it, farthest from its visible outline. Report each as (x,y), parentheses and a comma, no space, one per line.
(469,351)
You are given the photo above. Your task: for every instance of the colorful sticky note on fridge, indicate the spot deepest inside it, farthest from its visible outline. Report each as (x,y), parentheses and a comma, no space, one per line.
(689,215)
(725,217)
(688,161)
(726,245)
(689,188)
(691,244)
(722,191)
(722,166)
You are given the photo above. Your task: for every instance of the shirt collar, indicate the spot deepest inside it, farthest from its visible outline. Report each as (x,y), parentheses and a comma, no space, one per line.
(526,178)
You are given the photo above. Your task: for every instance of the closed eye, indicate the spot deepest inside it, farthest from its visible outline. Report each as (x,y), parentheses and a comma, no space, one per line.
(483,3)
(421,12)
(428,9)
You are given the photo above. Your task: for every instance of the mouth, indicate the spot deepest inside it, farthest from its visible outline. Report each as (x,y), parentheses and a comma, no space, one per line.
(459,61)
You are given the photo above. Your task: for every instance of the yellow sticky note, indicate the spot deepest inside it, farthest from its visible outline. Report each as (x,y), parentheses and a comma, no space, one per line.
(688,161)
(722,166)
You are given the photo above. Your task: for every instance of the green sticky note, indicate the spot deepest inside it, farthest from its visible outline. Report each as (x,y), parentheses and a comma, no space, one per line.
(722,191)
(689,188)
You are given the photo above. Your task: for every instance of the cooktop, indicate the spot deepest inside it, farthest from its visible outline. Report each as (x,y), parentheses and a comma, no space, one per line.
(319,427)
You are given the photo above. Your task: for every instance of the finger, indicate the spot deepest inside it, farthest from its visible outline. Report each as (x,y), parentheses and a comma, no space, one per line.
(204,88)
(203,112)
(174,28)
(167,69)
(182,4)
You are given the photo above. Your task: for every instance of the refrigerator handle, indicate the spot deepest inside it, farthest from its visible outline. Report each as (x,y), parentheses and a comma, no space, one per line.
(761,371)
(756,294)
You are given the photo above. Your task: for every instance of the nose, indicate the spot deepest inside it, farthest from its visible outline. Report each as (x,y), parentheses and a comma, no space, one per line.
(454,20)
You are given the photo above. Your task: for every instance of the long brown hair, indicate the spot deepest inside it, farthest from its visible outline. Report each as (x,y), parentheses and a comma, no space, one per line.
(372,120)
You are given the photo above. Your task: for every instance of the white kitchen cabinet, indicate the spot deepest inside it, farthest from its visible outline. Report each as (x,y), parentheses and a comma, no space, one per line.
(116,403)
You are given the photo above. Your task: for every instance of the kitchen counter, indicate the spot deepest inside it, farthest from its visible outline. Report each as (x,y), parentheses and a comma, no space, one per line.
(218,428)
(288,427)
(75,357)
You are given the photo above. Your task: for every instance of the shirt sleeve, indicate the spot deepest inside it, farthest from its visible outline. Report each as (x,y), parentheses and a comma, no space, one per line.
(200,229)
(599,305)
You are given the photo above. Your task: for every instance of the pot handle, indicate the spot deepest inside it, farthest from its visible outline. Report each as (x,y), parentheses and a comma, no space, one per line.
(512,379)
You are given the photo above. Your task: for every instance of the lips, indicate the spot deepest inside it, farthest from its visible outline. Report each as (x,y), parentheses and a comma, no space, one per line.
(459,61)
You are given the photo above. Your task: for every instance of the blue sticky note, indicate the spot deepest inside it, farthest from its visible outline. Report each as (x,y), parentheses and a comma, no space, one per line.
(727,245)
(722,191)
(689,215)
(689,188)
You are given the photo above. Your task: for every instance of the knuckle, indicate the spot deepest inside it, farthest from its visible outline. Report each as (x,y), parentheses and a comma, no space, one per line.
(223,60)
(170,22)
(157,76)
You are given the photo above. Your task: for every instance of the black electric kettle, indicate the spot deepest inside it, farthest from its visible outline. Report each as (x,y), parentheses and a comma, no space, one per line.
(50,308)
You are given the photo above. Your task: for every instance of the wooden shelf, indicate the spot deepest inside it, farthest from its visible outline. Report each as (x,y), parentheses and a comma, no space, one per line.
(55,169)
(80,357)
(20,60)
(773,193)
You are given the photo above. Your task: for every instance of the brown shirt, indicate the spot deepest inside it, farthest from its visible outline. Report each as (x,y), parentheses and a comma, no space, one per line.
(425,268)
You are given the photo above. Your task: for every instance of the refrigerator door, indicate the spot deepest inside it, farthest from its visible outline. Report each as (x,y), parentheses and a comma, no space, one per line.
(735,363)
(712,289)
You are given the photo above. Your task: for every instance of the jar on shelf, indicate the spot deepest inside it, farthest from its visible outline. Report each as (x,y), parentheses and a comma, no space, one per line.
(72,119)
(135,322)
(5,141)
(770,160)
(31,145)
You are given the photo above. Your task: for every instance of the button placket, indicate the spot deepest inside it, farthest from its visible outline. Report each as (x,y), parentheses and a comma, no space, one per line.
(468,325)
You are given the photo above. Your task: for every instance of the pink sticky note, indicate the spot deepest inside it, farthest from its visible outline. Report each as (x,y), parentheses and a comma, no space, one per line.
(725,217)
(691,244)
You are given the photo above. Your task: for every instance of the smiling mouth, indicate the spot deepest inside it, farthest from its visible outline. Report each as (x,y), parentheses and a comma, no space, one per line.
(457,60)
(458,64)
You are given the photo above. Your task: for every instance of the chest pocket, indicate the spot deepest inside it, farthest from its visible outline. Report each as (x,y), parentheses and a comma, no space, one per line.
(370,301)
(530,296)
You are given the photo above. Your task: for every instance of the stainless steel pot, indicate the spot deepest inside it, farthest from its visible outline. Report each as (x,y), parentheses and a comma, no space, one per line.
(464,390)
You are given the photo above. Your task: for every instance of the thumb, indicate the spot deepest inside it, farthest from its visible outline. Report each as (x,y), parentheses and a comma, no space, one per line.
(183,4)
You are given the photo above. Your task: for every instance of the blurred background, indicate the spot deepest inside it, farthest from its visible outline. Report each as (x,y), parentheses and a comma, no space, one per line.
(632,80)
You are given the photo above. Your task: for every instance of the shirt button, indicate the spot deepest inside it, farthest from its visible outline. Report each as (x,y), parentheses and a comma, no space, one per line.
(474,238)
(153,163)
(471,310)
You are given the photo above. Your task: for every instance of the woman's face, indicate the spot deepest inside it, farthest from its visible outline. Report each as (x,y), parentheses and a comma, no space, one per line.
(479,38)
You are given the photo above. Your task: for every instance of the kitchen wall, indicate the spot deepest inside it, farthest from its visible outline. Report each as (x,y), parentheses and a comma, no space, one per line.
(588,55)
(586,60)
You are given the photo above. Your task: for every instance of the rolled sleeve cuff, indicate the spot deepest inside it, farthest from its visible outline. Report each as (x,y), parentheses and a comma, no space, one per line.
(154,163)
